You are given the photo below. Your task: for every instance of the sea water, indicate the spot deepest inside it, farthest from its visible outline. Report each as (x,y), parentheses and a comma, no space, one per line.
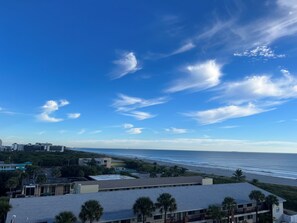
(271,164)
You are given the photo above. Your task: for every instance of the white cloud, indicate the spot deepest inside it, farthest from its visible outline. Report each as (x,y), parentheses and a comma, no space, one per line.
(258,87)
(134,131)
(127,126)
(127,105)
(279,21)
(127,64)
(50,107)
(259,51)
(6,112)
(44,117)
(82,131)
(64,102)
(96,132)
(41,133)
(139,115)
(229,126)
(73,115)
(200,76)
(221,114)
(184,48)
(176,130)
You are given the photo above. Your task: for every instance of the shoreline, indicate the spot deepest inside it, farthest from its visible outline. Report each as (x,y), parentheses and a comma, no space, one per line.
(211,170)
(229,173)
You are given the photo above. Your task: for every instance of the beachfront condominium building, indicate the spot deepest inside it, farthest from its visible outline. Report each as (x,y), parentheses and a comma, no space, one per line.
(192,204)
(104,161)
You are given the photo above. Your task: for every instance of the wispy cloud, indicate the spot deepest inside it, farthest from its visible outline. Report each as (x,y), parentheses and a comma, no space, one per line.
(259,87)
(126,64)
(139,115)
(233,35)
(82,131)
(73,115)
(224,113)
(128,105)
(6,112)
(199,76)
(49,108)
(182,49)
(41,133)
(176,130)
(130,129)
(229,127)
(259,51)
(96,132)
(127,126)
(134,131)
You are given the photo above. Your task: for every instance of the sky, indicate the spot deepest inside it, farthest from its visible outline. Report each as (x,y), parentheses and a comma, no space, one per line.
(197,75)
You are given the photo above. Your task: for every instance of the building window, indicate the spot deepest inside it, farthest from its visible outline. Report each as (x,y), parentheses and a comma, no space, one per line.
(250,216)
(191,212)
(249,205)
(240,206)
(241,218)
(67,189)
(30,191)
(156,217)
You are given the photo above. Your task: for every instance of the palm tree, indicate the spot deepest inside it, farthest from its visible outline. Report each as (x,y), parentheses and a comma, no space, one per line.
(143,207)
(229,204)
(90,211)
(271,200)
(259,197)
(65,217)
(215,212)
(238,175)
(12,183)
(165,202)
(4,208)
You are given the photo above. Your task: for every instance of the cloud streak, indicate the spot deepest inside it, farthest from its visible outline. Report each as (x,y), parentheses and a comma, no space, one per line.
(176,130)
(199,76)
(127,105)
(73,115)
(126,64)
(224,113)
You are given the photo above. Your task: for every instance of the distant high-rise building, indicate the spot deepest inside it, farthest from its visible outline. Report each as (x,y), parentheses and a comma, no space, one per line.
(0,142)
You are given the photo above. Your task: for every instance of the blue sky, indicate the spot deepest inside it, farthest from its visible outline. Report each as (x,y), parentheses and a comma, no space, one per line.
(201,75)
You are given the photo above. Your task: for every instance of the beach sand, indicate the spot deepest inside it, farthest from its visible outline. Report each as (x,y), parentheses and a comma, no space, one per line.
(229,173)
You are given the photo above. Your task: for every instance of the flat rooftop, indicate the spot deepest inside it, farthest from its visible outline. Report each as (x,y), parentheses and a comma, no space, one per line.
(110,177)
(118,204)
(144,182)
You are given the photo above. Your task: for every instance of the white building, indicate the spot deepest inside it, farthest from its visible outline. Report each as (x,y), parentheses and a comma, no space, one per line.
(104,161)
(192,204)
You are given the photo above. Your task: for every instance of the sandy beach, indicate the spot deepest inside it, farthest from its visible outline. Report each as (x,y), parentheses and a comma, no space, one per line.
(228,173)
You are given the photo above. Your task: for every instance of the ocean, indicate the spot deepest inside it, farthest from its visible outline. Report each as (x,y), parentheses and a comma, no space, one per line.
(271,164)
